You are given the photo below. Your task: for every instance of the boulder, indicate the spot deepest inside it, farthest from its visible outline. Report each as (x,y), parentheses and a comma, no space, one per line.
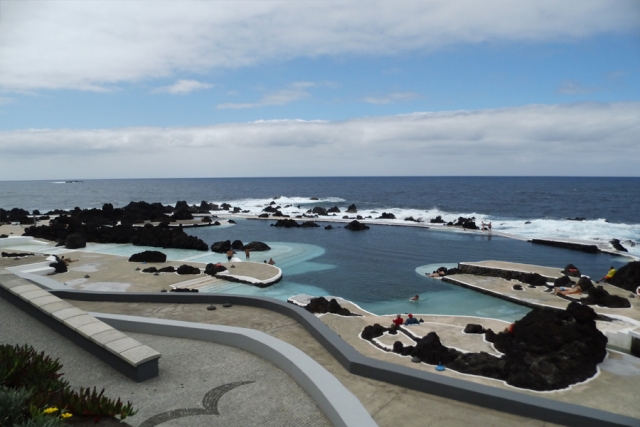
(187,269)
(352,208)
(328,227)
(386,216)
(256,247)
(286,223)
(472,328)
(571,270)
(182,214)
(562,282)
(237,245)
(211,269)
(148,256)
(334,209)
(437,220)
(617,245)
(373,331)
(356,226)
(599,296)
(319,211)
(321,305)
(627,277)
(221,247)
(75,241)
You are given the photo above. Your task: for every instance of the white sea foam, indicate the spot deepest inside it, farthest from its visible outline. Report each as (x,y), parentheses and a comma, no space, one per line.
(598,230)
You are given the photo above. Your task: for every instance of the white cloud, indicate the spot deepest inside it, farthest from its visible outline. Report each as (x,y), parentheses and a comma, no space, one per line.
(572,139)
(183,86)
(6,100)
(391,98)
(90,45)
(294,92)
(574,88)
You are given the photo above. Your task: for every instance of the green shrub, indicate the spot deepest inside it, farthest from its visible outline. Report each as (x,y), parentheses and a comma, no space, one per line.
(33,377)
(14,406)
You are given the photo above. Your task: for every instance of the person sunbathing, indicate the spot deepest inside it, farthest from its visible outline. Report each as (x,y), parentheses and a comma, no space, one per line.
(563,291)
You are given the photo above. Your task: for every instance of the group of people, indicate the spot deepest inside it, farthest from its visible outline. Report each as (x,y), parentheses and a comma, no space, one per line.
(399,321)
(577,289)
(486,226)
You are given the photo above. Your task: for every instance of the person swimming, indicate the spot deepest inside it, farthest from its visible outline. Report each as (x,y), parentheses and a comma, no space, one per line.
(415,298)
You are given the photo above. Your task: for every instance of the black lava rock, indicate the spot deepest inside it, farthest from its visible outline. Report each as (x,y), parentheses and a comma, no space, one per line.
(148,256)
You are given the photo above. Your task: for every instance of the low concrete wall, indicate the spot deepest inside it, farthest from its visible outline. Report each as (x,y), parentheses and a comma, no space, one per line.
(338,404)
(509,401)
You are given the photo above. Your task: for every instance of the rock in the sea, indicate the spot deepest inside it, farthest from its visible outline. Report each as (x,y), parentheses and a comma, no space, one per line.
(237,245)
(356,226)
(352,208)
(627,277)
(318,210)
(148,256)
(309,224)
(386,215)
(187,269)
(287,223)
(437,220)
(334,209)
(469,223)
(617,245)
(328,227)
(256,247)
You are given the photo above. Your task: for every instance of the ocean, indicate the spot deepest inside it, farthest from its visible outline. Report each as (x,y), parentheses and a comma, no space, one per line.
(379,269)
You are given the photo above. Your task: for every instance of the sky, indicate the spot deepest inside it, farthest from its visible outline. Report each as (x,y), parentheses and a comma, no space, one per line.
(259,88)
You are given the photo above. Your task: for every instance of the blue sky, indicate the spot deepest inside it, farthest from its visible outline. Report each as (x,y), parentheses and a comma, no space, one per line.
(118,89)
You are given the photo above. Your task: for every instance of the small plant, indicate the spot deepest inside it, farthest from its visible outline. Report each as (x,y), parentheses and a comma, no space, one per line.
(91,403)
(33,392)
(13,406)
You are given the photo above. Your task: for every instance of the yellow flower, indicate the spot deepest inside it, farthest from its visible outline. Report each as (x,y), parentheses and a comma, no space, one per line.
(50,410)
(66,415)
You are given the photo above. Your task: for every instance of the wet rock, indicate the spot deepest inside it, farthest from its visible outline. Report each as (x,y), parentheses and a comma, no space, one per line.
(334,209)
(237,245)
(256,247)
(287,223)
(437,220)
(309,224)
(319,211)
(352,208)
(599,296)
(386,215)
(617,245)
(356,226)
